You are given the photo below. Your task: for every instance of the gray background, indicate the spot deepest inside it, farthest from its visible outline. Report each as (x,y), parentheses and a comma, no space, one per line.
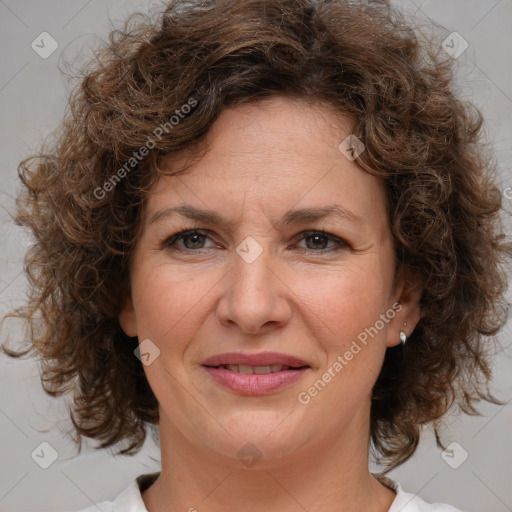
(33,95)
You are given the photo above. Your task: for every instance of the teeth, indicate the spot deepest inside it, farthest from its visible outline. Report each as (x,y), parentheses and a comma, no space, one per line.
(246,369)
(262,369)
(243,368)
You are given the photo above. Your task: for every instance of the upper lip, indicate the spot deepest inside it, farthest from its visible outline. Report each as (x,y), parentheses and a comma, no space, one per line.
(259,359)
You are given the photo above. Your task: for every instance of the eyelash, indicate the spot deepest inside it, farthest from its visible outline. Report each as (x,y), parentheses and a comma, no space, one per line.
(170,242)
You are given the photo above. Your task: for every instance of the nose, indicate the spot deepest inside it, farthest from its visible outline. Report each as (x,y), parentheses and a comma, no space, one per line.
(254,299)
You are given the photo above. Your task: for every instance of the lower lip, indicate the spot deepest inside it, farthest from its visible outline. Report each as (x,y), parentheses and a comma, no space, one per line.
(255,384)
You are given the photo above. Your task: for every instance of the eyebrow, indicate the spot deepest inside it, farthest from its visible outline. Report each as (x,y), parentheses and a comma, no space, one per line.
(297,216)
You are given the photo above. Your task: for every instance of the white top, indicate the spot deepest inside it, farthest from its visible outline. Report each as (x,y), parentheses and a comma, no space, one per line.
(130,500)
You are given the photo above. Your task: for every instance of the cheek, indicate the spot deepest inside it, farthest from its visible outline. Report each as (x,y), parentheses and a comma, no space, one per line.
(345,302)
(343,308)
(354,353)
(167,302)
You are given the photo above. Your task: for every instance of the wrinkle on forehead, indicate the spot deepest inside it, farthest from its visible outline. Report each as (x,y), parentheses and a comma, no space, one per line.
(275,153)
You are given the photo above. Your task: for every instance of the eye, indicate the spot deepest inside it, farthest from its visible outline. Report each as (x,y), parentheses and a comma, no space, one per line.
(194,239)
(319,241)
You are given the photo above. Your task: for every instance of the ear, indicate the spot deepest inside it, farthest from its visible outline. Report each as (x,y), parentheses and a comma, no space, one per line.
(127,318)
(406,305)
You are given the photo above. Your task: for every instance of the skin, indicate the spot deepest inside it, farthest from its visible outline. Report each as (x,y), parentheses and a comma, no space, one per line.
(299,297)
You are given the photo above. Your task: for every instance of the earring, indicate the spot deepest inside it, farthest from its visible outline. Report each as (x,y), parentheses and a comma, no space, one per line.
(403,337)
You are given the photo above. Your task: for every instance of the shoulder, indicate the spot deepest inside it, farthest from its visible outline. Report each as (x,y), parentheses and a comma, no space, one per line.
(408,502)
(128,500)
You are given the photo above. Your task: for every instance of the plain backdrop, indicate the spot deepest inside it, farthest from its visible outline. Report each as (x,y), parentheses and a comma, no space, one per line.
(33,95)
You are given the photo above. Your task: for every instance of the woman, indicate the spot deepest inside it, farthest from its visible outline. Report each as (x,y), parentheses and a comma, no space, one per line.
(267,227)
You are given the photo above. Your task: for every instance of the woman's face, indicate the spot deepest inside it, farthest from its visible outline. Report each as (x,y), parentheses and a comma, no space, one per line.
(257,281)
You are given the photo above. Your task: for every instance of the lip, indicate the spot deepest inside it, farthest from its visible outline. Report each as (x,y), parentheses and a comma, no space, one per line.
(255,384)
(259,359)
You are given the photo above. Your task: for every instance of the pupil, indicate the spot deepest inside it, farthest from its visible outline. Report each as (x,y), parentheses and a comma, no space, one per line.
(316,238)
(196,242)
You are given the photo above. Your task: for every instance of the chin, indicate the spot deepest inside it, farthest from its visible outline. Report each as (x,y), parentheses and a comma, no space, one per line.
(258,445)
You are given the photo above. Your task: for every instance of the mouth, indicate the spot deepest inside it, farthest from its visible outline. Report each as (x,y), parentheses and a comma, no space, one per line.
(255,374)
(258,370)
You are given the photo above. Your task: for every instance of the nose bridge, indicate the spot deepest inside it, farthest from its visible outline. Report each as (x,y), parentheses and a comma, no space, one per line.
(252,265)
(254,297)
(253,280)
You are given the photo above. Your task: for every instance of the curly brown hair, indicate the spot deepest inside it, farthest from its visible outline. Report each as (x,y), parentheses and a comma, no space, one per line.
(362,59)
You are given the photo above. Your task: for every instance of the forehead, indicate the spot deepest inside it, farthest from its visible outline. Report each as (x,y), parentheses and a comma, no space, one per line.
(273,156)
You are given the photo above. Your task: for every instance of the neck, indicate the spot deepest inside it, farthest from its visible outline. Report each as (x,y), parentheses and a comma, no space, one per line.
(316,478)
